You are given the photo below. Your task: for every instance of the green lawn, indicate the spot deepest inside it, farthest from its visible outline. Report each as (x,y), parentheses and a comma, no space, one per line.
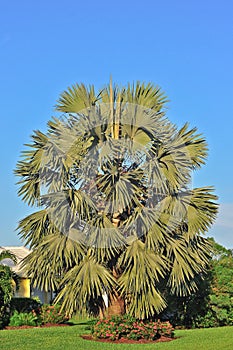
(65,338)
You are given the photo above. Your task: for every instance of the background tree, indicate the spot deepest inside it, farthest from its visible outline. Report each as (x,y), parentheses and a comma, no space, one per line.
(6,285)
(211,305)
(117,216)
(220,304)
(184,311)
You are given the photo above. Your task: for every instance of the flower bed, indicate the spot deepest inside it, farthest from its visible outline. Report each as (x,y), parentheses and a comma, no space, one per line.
(127,327)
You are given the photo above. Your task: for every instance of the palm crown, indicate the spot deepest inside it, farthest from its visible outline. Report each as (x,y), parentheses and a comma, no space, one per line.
(116,216)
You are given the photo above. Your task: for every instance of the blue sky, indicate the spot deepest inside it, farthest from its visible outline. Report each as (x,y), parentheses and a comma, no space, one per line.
(186,47)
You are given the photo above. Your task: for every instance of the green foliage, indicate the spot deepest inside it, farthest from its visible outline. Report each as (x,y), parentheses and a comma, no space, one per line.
(23,319)
(114,213)
(6,292)
(128,327)
(220,306)
(212,304)
(6,277)
(45,314)
(184,311)
(6,287)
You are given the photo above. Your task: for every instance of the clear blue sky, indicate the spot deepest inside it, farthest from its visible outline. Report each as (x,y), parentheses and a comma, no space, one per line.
(184,46)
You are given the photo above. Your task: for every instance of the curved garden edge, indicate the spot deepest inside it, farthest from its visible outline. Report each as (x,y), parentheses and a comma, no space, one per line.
(47,325)
(128,341)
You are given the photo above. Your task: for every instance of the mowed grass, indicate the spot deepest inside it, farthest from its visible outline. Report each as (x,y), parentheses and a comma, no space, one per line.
(67,338)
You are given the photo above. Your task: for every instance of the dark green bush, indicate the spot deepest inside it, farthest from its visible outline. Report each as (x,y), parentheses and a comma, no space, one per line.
(6,293)
(24,305)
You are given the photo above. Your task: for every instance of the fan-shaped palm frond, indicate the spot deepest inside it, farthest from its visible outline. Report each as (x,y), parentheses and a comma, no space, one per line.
(86,280)
(196,208)
(103,238)
(76,98)
(142,269)
(48,262)
(187,259)
(28,169)
(35,226)
(146,95)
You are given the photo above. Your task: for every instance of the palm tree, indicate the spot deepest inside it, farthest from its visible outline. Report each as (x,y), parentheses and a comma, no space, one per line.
(117,219)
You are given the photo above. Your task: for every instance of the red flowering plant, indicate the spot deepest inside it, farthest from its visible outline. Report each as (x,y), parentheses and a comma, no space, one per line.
(130,328)
(52,314)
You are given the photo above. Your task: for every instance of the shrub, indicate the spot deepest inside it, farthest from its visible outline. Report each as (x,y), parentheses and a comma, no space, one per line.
(24,305)
(43,315)
(23,319)
(6,293)
(52,314)
(118,327)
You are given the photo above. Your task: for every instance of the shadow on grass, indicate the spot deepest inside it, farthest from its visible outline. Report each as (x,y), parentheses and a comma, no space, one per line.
(85,323)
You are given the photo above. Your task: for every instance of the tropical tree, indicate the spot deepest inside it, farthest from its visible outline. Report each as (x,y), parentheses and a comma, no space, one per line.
(220,304)
(117,219)
(212,304)
(6,277)
(6,285)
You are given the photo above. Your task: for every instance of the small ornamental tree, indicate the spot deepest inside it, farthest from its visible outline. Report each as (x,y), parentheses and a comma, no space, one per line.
(6,286)
(115,216)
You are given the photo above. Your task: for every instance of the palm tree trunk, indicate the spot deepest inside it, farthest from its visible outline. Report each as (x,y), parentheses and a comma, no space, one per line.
(116,307)
(116,302)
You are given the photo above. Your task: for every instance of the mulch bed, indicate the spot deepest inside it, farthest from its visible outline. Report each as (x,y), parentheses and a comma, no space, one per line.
(127,341)
(42,326)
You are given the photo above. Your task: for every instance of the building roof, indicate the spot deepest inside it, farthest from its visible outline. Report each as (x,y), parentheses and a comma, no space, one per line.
(20,253)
